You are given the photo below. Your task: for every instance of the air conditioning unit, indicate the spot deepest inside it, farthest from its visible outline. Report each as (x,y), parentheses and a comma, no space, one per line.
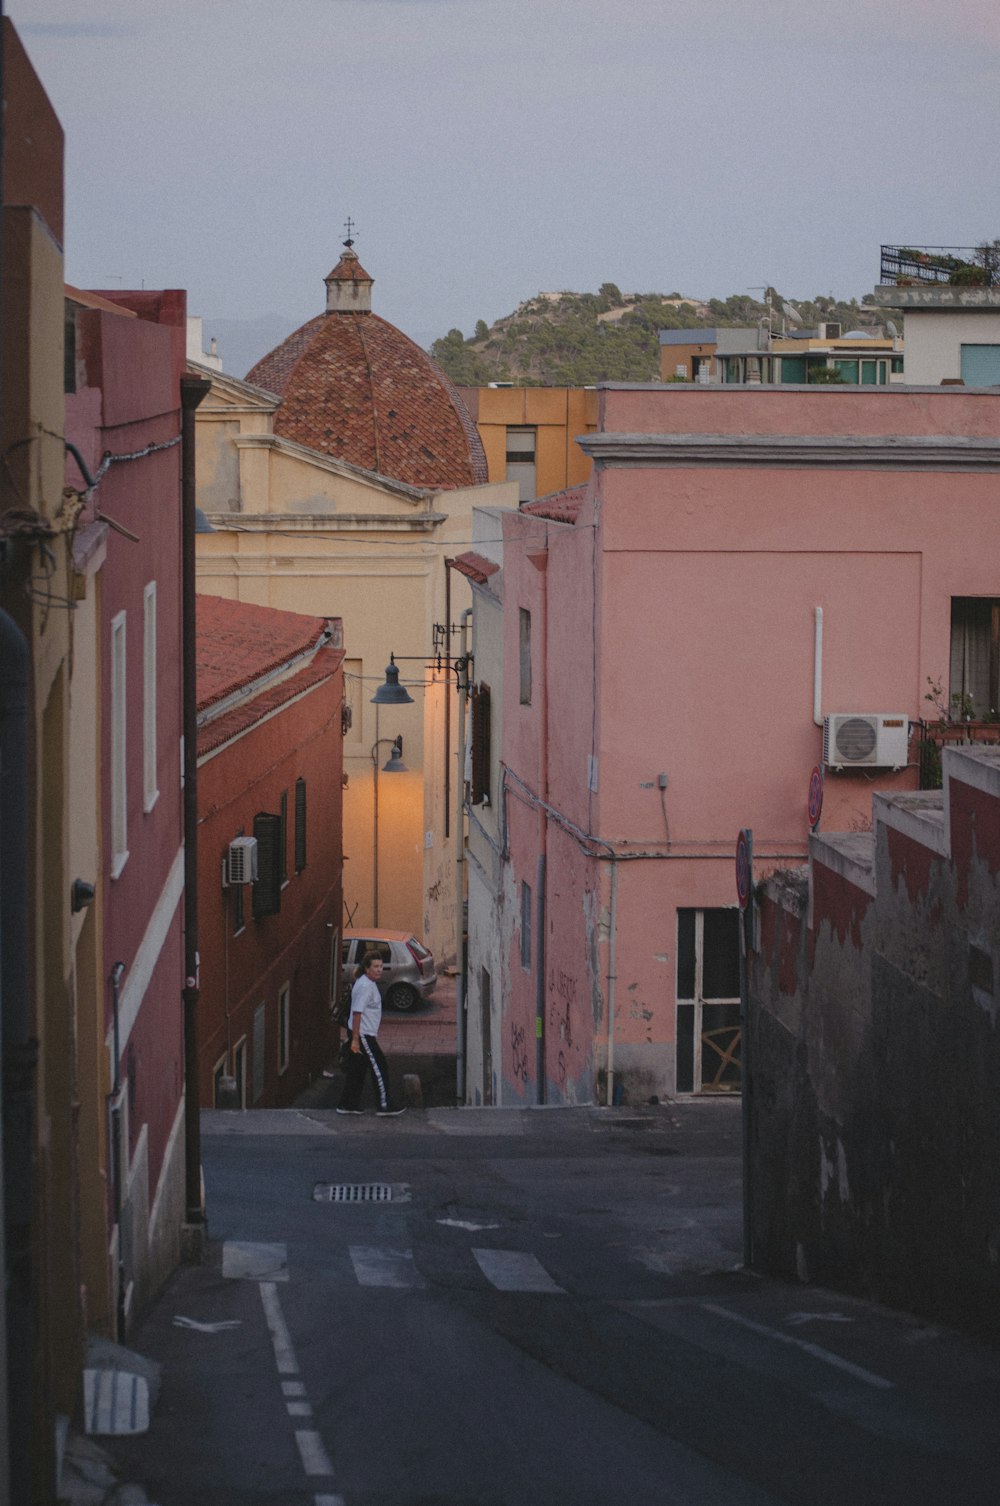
(241,862)
(829,331)
(857,739)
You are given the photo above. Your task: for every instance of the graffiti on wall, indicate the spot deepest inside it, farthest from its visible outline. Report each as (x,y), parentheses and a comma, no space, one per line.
(519,1051)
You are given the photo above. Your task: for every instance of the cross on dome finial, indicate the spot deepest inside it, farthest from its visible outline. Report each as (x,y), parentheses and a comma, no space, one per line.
(349,226)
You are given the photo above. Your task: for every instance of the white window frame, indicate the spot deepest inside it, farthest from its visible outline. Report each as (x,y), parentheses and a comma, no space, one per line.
(119,749)
(150,791)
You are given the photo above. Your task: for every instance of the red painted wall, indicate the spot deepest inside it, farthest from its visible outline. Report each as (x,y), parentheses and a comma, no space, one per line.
(240,971)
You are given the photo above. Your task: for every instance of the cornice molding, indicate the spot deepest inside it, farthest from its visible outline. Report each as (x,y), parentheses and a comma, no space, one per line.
(883,452)
(323,523)
(331,463)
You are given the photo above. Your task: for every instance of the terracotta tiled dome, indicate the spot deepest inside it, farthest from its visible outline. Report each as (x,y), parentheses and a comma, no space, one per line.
(354,386)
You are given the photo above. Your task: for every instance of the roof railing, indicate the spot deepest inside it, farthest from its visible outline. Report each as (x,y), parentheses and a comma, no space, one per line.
(956,266)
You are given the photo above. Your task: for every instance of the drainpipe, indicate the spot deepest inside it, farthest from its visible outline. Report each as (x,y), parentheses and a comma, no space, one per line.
(541,565)
(461,1024)
(193,390)
(19,1050)
(818,666)
(116,1138)
(612,975)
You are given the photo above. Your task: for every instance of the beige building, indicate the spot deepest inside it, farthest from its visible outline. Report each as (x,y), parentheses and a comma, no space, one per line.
(305,530)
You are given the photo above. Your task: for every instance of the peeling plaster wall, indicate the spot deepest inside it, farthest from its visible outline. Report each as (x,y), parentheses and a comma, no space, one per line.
(874,1116)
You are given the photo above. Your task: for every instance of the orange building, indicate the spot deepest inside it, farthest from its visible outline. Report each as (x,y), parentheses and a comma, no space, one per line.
(529,434)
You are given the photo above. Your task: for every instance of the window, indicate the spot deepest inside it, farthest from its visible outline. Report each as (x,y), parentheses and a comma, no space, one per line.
(284,1027)
(259,1031)
(708,1001)
(980,365)
(480,792)
(526,927)
(525,652)
(267,828)
(974,688)
(283,840)
(119,791)
(521,462)
(150,791)
(300,825)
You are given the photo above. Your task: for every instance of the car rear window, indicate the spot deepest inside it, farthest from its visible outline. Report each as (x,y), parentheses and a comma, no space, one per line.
(420,952)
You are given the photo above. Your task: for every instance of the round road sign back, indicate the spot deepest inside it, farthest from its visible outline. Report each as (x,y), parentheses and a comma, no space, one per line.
(743,870)
(815,797)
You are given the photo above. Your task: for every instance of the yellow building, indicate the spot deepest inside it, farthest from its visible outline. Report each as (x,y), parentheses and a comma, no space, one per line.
(529,434)
(306,531)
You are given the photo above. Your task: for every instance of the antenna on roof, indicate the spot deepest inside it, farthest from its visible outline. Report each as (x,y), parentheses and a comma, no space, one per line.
(349,225)
(890,326)
(791,312)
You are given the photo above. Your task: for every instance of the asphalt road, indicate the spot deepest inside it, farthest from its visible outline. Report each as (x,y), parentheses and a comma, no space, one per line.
(548,1310)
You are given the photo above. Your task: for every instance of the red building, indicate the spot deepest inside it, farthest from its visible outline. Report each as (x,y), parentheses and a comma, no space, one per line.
(270,780)
(125,360)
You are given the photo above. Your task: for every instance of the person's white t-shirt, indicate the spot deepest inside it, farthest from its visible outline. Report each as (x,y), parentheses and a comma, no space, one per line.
(366,1001)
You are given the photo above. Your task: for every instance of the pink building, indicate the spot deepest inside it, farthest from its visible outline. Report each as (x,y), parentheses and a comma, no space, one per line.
(756,583)
(270,779)
(124,363)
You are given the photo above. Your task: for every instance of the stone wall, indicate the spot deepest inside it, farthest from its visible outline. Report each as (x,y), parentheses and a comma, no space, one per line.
(874,1113)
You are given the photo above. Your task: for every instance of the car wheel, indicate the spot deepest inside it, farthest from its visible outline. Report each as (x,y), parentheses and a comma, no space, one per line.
(402,997)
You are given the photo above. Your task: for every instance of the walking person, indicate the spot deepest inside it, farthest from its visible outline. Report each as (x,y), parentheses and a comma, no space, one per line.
(366,1054)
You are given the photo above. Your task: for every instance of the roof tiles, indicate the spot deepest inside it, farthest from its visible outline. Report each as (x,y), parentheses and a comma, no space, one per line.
(355,387)
(238,642)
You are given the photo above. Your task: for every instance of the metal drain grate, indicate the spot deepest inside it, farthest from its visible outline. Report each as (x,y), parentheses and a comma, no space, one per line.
(352,1192)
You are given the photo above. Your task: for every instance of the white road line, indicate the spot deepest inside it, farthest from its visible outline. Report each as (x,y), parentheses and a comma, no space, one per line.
(818,1353)
(514,1271)
(284,1354)
(299,1409)
(315,1459)
(292,1388)
(378,1266)
(328,1500)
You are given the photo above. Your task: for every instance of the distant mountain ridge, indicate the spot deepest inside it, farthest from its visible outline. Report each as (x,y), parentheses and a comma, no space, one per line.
(576,339)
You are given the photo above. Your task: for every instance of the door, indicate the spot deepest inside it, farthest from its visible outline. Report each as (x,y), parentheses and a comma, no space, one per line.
(486,1033)
(708,1001)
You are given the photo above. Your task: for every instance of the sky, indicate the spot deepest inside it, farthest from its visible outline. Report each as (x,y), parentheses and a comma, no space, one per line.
(488,150)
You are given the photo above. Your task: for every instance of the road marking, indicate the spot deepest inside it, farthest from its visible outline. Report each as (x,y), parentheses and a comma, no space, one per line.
(315,1459)
(514,1271)
(284,1354)
(461,1223)
(828,1358)
(243,1260)
(328,1500)
(292,1388)
(797,1319)
(375,1265)
(299,1409)
(181,1322)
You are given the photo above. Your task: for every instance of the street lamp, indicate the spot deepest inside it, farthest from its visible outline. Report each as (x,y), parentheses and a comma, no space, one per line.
(391,693)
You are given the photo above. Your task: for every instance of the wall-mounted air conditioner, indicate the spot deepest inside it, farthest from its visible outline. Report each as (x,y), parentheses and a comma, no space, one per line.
(862,739)
(828,331)
(240,866)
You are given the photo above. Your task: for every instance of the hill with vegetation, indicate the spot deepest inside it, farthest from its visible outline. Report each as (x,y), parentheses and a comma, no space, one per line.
(576,339)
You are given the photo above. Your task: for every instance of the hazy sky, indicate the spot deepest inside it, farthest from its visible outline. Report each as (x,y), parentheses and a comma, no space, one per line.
(491,149)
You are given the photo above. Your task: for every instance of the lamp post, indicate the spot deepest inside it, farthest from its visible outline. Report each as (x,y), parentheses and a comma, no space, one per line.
(391,693)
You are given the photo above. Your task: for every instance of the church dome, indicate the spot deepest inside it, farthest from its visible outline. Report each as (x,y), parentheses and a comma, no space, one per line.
(355,387)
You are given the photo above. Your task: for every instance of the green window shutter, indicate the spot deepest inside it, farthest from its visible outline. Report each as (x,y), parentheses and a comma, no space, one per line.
(480,793)
(268,829)
(300,825)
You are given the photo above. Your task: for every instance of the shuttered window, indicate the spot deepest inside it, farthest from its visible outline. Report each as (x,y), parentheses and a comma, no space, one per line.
(300,825)
(480,793)
(268,829)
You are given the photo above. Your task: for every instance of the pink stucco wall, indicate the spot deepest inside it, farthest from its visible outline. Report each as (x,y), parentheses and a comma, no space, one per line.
(127,399)
(673,634)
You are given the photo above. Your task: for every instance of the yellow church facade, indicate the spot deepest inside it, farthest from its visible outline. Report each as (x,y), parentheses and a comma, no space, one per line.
(301,530)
